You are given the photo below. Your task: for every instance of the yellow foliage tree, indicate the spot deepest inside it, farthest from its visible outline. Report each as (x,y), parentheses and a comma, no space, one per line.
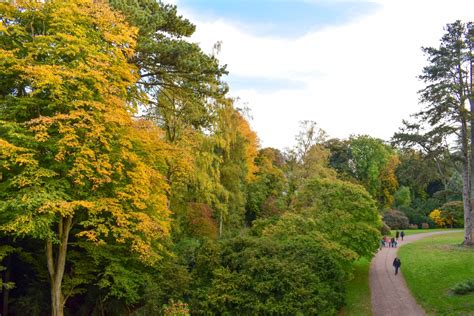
(71,156)
(388,181)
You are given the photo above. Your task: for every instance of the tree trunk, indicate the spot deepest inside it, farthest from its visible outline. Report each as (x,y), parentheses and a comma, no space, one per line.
(468,237)
(6,291)
(57,264)
(466,183)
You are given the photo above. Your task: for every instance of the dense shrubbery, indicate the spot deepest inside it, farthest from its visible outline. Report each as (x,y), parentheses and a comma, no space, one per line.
(344,211)
(296,264)
(268,275)
(395,219)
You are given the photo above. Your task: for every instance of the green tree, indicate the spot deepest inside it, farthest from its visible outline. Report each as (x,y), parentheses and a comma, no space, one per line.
(374,164)
(272,275)
(264,193)
(340,158)
(344,211)
(307,159)
(402,197)
(170,65)
(447,96)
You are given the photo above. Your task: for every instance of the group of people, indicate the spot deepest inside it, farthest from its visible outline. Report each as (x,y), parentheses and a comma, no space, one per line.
(392,242)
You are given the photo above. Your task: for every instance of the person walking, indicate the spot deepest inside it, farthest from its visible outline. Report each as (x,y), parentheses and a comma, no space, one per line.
(402,234)
(397,234)
(397,264)
(392,242)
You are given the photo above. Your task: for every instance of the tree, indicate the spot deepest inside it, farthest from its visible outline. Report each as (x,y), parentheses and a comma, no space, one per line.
(449,90)
(340,158)
(265,192)
(169,64)
(402,197)
(417,170)
(374,164)
(309,158)
(71,158)
(277,273)
(344,211)
(239,145)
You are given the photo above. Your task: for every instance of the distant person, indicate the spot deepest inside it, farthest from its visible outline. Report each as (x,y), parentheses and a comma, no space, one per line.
(396,264)
(392,242)
(402,234)
(397,234)
(385,239)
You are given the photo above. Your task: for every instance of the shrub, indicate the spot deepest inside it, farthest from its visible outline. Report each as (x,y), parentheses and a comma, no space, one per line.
(440,218)
(463,287)
(344,211)
(396,219)
(425,225)
(268,276)
(413,226)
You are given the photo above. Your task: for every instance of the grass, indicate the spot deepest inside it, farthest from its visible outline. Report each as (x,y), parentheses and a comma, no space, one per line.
(358,291)
(409,232)
(432,266)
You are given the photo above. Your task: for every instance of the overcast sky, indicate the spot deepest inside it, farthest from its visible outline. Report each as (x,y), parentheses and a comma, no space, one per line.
(349,65)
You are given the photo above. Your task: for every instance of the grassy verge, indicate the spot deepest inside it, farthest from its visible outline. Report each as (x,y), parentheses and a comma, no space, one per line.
(432,266)
(358,291)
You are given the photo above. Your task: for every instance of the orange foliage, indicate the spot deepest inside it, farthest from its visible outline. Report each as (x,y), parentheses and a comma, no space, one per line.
(199,220)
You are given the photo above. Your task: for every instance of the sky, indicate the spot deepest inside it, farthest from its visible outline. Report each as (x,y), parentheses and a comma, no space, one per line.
(349,65)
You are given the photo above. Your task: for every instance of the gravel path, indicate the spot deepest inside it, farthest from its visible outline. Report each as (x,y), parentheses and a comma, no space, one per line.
(390,295)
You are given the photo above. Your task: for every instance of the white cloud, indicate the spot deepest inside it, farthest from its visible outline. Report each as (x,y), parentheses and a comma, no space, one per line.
(360,78)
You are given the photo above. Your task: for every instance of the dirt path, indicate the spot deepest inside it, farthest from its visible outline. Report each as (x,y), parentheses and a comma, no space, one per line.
(390,295)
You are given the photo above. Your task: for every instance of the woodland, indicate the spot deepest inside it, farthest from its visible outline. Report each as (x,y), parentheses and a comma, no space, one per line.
(132,184)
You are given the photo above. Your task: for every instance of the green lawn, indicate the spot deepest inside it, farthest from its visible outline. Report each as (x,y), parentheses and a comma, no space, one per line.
(420,231)
(432,266)
(358,292)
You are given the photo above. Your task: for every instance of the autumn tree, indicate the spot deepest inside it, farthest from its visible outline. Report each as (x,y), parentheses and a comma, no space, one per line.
(71,161)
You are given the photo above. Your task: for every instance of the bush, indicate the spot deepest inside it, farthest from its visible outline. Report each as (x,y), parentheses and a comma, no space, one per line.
(346,213)
(268,276)
(413,226)
(396,219)
(425,225)
(463,287)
